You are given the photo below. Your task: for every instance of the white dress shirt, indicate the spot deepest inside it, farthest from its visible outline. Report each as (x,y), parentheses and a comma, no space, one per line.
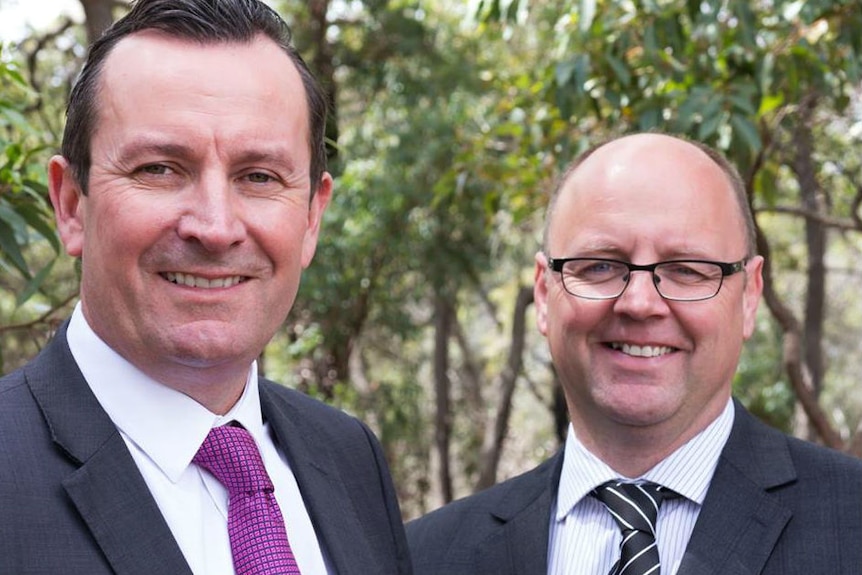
(163,430)
(585,539)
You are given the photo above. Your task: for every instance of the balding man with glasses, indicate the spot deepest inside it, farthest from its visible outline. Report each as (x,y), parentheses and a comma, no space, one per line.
(646,289)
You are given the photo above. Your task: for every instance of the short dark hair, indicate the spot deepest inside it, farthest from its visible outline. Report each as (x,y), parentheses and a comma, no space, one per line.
(203,21)
(730,172)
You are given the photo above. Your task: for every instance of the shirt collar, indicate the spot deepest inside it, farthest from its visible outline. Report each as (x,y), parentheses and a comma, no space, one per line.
(165,424)
(687,471)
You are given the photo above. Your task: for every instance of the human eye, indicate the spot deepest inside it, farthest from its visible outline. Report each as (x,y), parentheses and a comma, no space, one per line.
(157,175)
(259,178)
(154,170)
(689,272)
(593,271)
(260,182)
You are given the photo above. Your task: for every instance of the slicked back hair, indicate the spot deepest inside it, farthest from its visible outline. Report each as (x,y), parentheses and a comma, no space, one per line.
(202,21)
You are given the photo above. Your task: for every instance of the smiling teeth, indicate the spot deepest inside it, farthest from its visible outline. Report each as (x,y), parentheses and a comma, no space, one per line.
(642,350)
(199,282)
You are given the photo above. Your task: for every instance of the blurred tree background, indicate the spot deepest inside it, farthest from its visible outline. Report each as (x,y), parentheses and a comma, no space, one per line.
(451,122)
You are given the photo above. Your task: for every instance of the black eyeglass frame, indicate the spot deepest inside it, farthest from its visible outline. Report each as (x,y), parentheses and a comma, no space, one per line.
(727,269)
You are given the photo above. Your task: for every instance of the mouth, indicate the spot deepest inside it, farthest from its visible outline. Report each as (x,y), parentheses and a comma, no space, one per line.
(194,281)
(641,350)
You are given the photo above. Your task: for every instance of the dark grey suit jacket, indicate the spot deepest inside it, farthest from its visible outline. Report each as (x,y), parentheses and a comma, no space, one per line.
(776,506)
(72,501)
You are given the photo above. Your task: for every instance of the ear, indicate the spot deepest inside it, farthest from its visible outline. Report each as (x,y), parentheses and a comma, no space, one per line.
(540,292)
(68,201)
(751,294)
(315,216)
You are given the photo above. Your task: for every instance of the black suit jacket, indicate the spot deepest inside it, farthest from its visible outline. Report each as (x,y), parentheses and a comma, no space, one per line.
(776,506)
(72,501)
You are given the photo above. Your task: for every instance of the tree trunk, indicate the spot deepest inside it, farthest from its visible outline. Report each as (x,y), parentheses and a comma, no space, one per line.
(496,434)
(471,374)
(442,385)
(815,236)
(794,366)
(99,15)
(323,66)
(792,359)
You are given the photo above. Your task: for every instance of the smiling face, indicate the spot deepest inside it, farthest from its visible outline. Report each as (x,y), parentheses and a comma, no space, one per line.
(198,221)
(640,364)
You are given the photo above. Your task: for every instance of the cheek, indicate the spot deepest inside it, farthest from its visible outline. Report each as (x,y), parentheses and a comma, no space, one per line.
(570,323)
(282,239)
(716,333)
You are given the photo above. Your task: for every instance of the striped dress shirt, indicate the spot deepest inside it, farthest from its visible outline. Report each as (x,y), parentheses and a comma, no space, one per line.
(585,540)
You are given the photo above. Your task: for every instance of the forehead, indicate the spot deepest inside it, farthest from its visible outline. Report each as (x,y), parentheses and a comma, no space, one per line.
(153,64)
(230,92)
(147,50)
(648,190)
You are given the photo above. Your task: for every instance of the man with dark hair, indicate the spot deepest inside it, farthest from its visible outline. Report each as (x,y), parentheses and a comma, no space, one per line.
(141,440)
(646,288)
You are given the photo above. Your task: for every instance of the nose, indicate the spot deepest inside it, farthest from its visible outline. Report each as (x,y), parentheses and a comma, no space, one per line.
(640,299)
(212,216)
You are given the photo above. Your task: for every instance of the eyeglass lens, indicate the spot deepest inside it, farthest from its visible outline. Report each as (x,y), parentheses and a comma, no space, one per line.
(602,279)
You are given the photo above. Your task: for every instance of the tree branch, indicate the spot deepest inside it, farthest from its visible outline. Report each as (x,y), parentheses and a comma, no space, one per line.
(496,435)
(39,320)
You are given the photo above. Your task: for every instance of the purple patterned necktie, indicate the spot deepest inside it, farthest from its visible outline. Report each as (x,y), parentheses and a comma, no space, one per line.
(258,539)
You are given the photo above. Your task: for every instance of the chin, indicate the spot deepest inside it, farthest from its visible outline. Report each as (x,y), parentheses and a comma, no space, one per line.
(639,410)
(203,349)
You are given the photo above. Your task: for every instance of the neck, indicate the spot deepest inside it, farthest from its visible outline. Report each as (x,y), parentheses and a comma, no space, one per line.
(632,450)
(218,389)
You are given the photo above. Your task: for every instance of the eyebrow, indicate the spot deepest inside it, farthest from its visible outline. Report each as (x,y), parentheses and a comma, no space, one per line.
(274,154)
(267,155)
(155,146)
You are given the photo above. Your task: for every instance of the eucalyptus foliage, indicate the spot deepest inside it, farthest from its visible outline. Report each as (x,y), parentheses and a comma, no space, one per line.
(25,215)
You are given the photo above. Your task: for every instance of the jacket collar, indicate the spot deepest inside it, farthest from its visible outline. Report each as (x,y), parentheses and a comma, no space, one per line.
(103,483)
(741,521)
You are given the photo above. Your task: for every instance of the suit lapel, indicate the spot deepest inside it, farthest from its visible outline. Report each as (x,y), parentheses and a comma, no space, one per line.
(105,487)
(323,489)
(740,522)
(523,511)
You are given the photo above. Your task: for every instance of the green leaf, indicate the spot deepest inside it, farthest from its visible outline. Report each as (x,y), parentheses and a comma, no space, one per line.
(12,218)
(11,249)
(587,14)
(770,103)
(710,124)
(650,43)
(767,186)
(747,132)
(16,119)
(16,76)
(39,221)
(34,284)
(564,71)
(743,104)
(649,118)
(582,70)
(36,188)
(620,71)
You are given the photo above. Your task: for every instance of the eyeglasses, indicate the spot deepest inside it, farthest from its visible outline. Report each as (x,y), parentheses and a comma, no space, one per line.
(676,280)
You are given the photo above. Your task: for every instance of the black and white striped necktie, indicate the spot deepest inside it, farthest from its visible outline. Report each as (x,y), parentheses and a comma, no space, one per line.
(635,506)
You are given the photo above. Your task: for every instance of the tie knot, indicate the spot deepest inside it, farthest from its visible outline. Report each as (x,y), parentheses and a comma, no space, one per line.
(231,455)
(634,506)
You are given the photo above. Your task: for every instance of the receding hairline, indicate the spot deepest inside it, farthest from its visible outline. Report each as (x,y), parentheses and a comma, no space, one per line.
(169,37)
(731,177)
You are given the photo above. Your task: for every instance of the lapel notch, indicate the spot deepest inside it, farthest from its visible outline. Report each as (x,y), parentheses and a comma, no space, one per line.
(104,483)
(329,505)
(523,512)
(741,519)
